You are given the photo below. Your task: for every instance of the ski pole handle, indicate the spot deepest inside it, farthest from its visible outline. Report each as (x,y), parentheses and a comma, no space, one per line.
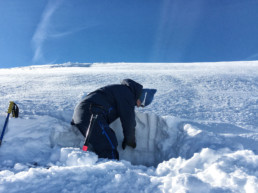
(6,120)
(10,107)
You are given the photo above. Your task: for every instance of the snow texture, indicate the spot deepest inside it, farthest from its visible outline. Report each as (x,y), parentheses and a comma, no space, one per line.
(200,134)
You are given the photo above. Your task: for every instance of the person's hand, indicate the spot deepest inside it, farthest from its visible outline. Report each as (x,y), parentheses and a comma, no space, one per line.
(131,145)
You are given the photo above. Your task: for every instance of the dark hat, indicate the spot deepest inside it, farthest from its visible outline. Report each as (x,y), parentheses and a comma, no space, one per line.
(147,96)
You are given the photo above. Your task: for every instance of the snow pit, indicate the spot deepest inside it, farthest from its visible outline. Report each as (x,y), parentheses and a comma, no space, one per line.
(156,140)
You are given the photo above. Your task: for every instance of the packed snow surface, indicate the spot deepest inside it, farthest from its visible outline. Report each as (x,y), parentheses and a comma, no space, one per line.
(200,134)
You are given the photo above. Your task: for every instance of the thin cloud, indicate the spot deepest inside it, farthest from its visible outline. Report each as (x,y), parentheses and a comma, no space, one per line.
(253,57)
(41,33)
(69,32)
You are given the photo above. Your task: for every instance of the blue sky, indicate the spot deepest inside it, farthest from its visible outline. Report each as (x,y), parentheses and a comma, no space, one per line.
(57,31)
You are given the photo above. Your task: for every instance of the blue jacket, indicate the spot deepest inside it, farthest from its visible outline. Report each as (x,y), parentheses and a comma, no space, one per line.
(119,102)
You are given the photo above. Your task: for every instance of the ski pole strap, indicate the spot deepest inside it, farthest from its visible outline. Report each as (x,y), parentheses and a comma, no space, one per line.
(15,110)
(89,131)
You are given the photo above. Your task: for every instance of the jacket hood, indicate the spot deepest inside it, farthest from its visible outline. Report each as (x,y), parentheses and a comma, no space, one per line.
(134,86)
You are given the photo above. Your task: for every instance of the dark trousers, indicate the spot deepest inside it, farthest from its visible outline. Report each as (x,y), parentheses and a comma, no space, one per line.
(103,139)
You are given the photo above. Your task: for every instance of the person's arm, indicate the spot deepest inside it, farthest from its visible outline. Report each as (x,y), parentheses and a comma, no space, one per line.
(127,117)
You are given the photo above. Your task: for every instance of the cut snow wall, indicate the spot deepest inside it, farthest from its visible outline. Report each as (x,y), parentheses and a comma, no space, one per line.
(155,139)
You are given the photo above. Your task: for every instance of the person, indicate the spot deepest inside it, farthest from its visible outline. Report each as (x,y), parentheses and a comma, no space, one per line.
(106,104)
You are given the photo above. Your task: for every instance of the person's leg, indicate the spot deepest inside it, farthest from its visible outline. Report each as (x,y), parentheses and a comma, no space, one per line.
(81,117)
(109,154)
(104,140)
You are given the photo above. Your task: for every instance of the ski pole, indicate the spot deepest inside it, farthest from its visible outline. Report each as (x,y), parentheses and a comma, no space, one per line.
(6,120)
(88,133)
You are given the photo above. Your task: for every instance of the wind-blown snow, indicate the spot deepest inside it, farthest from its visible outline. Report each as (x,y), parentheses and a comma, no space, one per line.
(200,134)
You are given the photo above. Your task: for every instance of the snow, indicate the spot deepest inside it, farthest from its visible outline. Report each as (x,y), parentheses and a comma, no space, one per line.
(200,134)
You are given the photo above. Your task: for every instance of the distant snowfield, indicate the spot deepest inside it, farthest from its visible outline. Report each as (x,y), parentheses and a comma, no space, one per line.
(200,134)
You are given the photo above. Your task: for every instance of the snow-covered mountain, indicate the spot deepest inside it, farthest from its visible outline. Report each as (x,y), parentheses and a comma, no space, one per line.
(200,134)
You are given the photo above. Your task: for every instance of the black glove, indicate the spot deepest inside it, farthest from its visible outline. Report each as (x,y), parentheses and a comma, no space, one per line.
(124,144)
(133,145)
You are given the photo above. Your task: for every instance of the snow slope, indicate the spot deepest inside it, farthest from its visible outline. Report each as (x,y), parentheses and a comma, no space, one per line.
(200,134)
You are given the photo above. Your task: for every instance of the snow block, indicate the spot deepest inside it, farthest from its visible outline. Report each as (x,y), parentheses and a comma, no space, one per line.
(76,157)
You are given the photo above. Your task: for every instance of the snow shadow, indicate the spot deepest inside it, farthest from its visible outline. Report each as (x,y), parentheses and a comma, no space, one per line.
(70,64)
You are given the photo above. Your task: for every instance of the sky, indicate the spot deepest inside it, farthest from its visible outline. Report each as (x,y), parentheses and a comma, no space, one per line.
(57,31)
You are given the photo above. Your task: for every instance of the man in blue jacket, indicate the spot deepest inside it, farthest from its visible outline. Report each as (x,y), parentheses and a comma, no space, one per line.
(109,103)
